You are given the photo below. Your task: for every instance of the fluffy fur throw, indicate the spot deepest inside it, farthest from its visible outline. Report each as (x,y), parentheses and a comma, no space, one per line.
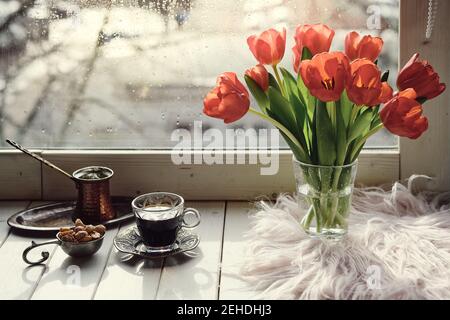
(398,247)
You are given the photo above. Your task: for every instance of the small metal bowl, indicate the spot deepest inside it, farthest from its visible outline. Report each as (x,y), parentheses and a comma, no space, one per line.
(73,249)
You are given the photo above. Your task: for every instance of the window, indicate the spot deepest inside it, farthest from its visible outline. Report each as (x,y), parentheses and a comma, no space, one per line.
(121,76)
(125,74)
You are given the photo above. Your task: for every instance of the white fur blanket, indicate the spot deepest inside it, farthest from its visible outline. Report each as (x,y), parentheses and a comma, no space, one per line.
(398,247)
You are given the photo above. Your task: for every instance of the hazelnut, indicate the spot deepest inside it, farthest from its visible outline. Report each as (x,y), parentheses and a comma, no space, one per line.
(95,235)
(80,235)
(81,232)
(68,238)
(65,233)
(79,228)
(86,239)
(100,229)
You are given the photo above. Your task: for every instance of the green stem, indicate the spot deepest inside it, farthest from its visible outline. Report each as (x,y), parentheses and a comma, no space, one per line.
(277,76)
(360,143)
(280,127)
(307,219)
(355,110)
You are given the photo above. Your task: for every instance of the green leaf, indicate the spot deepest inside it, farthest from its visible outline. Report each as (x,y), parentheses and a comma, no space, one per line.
(326,146)
(308,100)
(298,153)
(421,100)
(361,125)
(259,95)
(282,108)
(376,120)
(314,152)
(331,109)
(346,108)
(298,106)
(341,135)
(273,82)
(284,113)
(306,54)
(385,76)
(290,81)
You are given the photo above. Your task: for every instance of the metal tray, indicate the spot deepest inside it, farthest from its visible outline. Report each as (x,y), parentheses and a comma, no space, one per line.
(51,217)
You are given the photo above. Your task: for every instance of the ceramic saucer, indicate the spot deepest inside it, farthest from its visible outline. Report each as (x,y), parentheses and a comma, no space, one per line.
(129,241)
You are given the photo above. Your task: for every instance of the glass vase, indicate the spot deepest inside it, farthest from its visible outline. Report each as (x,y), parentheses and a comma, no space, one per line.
(325,196)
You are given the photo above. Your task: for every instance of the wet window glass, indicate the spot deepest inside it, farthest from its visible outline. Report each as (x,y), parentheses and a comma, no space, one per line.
(126,74)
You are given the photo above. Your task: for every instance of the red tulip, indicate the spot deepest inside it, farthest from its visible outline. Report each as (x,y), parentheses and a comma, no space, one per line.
(229,100)
(402,115)
(420,75)
(268,47)
(260,75)
(366,47)
(364,86)
(297,58)
(326,75)
(316,37)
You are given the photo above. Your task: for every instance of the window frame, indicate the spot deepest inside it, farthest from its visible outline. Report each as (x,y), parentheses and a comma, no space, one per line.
(429,155)
(140,171)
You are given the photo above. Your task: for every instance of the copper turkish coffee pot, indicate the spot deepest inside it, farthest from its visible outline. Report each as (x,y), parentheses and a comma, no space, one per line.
(94,201)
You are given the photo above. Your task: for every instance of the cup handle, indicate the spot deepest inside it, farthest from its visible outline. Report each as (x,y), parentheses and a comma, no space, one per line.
(45,254)
(195,213)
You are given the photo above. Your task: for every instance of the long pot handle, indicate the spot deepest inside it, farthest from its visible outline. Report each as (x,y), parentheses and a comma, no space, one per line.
(45,254)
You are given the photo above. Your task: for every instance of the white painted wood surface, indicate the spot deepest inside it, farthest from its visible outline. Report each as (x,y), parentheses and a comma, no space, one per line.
(74,278)
(197,277)
(127,278)
(112,275)
(236,224)
(17,281)
(8,208)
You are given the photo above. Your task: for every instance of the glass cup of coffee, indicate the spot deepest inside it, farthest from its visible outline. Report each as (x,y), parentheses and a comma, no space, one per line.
(159,218)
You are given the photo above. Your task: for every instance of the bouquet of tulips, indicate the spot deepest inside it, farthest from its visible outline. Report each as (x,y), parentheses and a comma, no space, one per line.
(328,109)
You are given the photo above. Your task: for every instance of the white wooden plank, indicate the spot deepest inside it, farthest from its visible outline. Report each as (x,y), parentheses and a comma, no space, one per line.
(20,176)
(127,278)
(196,276)
(236,224)
(74,278)
(4,231)
(136,171)
(7,209)
(17,279)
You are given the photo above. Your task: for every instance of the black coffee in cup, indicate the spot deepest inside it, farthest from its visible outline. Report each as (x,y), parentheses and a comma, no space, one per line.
(160,232)
(160,217)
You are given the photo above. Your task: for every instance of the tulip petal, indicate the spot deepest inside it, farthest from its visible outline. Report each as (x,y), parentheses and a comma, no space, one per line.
(402,115)
(420,75)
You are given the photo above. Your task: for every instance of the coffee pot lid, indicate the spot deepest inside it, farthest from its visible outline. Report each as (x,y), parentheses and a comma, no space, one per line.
(93,173)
